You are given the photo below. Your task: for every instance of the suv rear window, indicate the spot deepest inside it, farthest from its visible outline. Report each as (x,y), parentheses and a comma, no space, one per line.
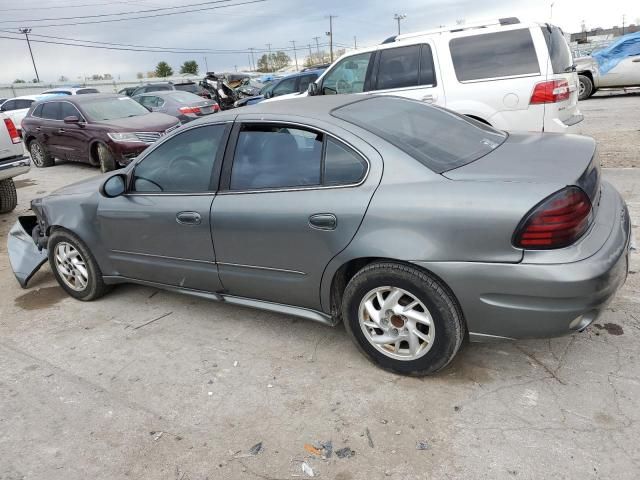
(494,55)
(561,60)
(439,139)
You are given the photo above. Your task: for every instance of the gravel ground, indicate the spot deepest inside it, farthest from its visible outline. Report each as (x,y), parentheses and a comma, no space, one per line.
(100,390)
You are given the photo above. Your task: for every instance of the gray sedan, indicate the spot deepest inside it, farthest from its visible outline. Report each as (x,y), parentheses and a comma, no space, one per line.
(411,224)
(185,106)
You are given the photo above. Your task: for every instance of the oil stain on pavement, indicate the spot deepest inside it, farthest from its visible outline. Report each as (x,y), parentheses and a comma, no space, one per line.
(611,328)
(41,298)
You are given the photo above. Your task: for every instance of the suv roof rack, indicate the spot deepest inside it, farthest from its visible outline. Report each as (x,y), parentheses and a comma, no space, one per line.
(457,28)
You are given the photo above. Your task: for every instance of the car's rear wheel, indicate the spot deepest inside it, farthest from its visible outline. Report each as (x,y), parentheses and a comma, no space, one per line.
(585,87)
(40,155)
(8,195)
(74,266)
(402,318)
(106,158)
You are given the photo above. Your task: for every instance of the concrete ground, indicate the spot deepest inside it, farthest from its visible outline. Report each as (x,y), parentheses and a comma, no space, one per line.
(100,390)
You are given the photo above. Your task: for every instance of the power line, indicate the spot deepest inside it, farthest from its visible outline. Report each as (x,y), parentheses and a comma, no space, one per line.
(68,5)
(166,14)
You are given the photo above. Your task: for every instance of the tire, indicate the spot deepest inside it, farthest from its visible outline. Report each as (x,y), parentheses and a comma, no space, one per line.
(585,87)
(66,254)
(439,342)
(106,159)
(8,195)
(40,155)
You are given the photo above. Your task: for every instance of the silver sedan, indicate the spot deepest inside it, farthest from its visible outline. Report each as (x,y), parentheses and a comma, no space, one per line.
(413,225)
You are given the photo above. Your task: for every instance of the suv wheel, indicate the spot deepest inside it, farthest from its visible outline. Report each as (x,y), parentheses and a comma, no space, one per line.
(8,195)
(105,157)
(585,87)
(402,318)
(40,155)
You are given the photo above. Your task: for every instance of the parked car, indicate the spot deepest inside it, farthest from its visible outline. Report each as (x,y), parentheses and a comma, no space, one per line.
(410,223)
(290,85)
(127,91)
(106,130)
(616,66)
(252,100)
(13,162)
(192,87)
(153,87)
(184,106)
(71,91)
(2,100)
(510,75)
(16,108)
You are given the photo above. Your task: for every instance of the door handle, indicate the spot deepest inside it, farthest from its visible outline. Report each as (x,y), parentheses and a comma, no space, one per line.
(429,98)
(189,218)
(323,221)
(38,129)
(61,130)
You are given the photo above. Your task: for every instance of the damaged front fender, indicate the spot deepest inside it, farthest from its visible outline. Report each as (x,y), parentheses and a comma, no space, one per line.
(25,255)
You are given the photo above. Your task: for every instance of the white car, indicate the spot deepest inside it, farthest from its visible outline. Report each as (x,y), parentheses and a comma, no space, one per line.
(13,162)
(71,91)
(510,75)
(16,108)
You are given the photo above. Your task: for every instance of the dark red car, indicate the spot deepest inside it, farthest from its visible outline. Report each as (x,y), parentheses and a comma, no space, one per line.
(105,130)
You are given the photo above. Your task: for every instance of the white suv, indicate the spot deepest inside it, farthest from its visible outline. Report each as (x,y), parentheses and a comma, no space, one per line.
(510,75)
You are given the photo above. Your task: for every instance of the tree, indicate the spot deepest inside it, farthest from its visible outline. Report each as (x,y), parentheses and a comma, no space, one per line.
(151,74)
(273,62)
(35,80)
(163,70)
(19,80)
(190,66)
(139,75)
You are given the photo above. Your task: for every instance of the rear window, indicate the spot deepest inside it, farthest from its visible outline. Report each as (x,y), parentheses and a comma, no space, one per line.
(87,90)
(51,110)
(559,52)
(185,97)
(494,55)
(157,88)
(439,139)
(187,87)
(37,112)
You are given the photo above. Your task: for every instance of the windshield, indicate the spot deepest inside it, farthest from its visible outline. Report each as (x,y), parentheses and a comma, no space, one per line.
(102,109)
(439,139)
(559,52)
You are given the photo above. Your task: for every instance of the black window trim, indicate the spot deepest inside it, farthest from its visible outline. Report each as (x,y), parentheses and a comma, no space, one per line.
(225,177)
(214,183)
(376,70)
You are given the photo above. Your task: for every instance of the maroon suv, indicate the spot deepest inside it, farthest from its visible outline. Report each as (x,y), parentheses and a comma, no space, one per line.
(101,129)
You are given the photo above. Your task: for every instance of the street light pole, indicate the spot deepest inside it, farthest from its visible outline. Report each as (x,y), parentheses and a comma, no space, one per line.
(399,17)
(269,58)
(330,34)
(295,54)
(26,32)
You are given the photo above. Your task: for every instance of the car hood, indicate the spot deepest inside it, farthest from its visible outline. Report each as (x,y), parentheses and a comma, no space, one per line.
(87,186)
(151,122)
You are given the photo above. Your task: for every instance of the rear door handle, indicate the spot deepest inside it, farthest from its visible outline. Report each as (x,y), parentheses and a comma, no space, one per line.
(61,130)
(189,218)
(323,221)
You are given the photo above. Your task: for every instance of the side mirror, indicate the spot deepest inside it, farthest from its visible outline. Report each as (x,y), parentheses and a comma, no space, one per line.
(71,119)
(313,89)
(114,186)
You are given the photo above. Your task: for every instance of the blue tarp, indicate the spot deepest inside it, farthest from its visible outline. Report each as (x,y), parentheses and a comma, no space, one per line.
(610,56)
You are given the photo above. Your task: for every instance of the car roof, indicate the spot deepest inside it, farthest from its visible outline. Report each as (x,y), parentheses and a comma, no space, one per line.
(69,89)
(40,96)
(80,99)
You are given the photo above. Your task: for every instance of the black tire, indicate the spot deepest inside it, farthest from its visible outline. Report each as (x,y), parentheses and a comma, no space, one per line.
(445,312)
(105,158)
(8,195)
(40,156)
(586,87)
(95,286)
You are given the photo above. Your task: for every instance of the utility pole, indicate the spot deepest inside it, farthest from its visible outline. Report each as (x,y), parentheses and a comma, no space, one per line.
(26,32)
(317,46)
(355,43)
(235,67)
(206,64)
(399,17)
(623,19)
(330,35)
(310,54)
(269,57)
(295,55)
(253,62)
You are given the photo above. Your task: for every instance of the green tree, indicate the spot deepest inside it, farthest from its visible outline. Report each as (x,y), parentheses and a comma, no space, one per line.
(190,66)
(163,70)
(19,80)
(273,62)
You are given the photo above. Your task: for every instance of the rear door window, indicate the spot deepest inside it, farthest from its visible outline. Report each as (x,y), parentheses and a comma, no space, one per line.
(427,70)
(399,67)
(342,166)
(286,86)
(51,111)
(494,55)
(561,61)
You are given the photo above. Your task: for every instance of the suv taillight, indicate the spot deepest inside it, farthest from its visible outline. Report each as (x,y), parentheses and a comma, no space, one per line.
(557,222)
(13,131)
(550,92)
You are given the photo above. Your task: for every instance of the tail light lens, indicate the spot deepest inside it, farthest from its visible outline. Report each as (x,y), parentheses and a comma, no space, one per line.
(216,107)
(550,92)
(557,222)
(13,131)
(189,109)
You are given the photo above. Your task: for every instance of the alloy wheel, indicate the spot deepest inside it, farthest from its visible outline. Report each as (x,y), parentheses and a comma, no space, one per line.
(37,155)
(396,323)
(71,266)
(581,89)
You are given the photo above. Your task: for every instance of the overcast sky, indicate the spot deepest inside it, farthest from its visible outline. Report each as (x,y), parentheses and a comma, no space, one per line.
(272,21)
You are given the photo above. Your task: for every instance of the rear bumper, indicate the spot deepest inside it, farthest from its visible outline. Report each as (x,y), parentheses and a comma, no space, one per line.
(536,300)
(14,167)
(572,124)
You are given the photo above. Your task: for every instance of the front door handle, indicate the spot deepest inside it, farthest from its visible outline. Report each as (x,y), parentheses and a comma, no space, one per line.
(323,221)
(189,218)
(61,130)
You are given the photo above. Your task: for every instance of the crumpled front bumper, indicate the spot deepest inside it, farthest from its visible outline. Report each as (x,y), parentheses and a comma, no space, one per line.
(25,255)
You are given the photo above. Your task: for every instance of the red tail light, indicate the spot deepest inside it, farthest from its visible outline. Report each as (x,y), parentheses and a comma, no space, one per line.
(558,221)
(550,92)
(216,107)
(13,131)
(189,109)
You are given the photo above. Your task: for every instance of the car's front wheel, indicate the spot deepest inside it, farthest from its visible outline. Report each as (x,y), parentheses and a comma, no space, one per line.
(402,318)
(40,155)
(74,266)
(106,159)
(585,87)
